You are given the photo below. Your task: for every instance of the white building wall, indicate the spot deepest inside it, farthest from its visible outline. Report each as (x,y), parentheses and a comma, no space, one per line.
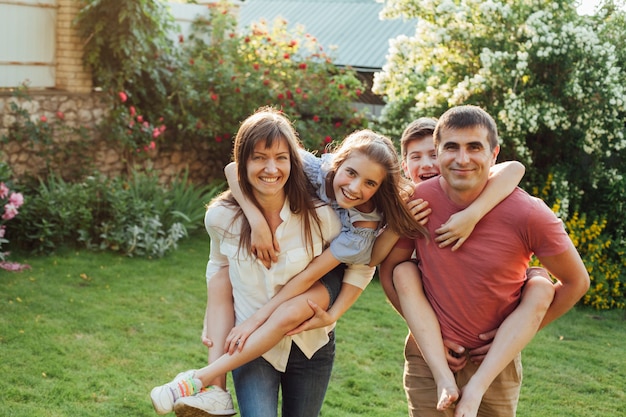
(27,43)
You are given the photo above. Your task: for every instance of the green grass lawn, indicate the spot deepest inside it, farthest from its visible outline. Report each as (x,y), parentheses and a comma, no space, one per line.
(89,334)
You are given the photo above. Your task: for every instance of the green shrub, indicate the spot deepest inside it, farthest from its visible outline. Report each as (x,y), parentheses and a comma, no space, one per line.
(135,216)
(603,256)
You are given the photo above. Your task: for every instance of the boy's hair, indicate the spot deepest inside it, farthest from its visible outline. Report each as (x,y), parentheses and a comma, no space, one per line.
(462,117)
(417,130)
(379,149)
(269,125)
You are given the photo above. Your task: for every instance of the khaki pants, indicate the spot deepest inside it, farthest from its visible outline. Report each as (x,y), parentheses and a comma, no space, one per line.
(500,400)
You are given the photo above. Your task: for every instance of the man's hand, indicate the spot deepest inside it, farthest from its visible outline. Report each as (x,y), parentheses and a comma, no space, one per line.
(478,355)
(455,355)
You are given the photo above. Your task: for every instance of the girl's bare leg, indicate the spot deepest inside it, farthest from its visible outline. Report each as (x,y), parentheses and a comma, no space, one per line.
(285,318)
(515,332)
(424,326)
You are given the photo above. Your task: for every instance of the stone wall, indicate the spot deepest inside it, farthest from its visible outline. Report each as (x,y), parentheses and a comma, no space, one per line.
(94,152)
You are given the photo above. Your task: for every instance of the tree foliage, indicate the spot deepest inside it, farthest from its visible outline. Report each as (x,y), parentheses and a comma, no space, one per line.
(554,81)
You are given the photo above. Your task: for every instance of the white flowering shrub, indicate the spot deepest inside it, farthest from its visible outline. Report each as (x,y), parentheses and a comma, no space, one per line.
(554,81)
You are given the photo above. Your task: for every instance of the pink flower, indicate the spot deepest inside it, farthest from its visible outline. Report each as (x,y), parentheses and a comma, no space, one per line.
(60,115)
(4,190)
(17,199)
(3,230)
(214,97)
(10,211)
(44,119)
(133,112)
(155,134)
(123,96)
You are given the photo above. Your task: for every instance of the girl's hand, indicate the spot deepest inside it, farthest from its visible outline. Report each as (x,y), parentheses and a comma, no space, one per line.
(321,318)
(239,334)
(263,244)
(420,211)
(457,229)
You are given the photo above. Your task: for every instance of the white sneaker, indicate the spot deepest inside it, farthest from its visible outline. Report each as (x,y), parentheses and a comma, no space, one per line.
(212,402)
(164,396)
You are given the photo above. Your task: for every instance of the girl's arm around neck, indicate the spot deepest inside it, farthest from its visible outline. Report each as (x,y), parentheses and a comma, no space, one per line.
(503,179)
(263,243)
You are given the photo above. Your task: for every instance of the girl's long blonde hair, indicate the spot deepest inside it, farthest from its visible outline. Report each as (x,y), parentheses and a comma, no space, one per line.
(388,198)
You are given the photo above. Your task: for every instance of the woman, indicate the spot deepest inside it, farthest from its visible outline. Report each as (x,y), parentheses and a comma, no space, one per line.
(273,178)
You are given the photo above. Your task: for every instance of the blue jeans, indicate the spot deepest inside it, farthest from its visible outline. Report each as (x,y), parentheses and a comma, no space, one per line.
(303,384)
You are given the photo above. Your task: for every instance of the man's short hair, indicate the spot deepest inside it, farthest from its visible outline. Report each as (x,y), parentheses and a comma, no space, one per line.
(416,130)
(462,117)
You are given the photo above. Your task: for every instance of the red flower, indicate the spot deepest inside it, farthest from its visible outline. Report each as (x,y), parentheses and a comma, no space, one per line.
(286,56)
(293,43)
(298,90)
(232,35)
(191,61)
(289,95)
(266,82)
(247,39)
(44,119)
(218,138)
(358,92)
(280,96)
(302,66)
(341,86)
(123,96)
(181,38)
(237,90)
(328,139)
(60,115)
(256,66)
(214,97)
(316,118)
(338,124)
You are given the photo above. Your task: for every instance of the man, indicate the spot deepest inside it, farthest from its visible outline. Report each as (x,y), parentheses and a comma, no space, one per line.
(478,287)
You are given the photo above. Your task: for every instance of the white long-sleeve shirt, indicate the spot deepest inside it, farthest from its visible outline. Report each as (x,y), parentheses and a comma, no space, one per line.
(253,284)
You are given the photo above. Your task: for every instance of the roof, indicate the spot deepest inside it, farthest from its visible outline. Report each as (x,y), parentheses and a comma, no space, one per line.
(353,27)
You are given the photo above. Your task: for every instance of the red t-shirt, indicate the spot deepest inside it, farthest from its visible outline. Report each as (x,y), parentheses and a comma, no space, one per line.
(473,289)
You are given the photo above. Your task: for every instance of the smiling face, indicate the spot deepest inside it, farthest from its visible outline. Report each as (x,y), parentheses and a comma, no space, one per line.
(357,180)
(268,169)
(465,158)
(420,163)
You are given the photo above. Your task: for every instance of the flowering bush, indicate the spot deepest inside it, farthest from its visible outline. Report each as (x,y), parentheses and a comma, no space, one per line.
(554,81)
(11,201)
(131,129)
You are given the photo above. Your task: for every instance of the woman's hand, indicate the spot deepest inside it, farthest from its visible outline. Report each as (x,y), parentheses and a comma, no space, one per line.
(239,334)
(320,318)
